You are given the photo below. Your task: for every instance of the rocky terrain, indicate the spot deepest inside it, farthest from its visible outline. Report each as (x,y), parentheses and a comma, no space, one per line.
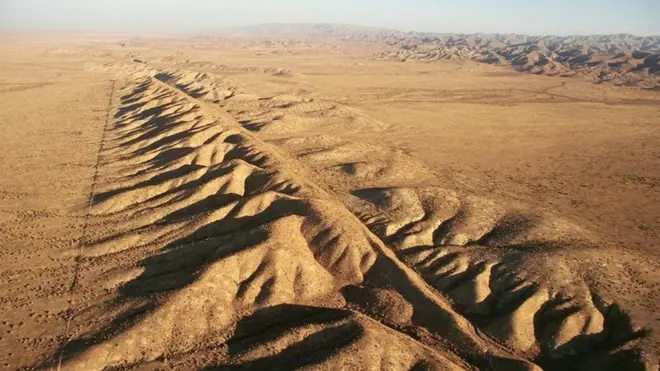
(620,59)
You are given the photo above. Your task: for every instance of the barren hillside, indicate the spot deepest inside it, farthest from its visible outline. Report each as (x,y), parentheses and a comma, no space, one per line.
(620,59)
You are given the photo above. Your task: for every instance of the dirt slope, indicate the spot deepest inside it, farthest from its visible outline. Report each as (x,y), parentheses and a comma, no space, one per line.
(196,219)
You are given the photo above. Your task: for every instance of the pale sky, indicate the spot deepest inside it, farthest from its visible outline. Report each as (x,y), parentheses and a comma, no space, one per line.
(559,17)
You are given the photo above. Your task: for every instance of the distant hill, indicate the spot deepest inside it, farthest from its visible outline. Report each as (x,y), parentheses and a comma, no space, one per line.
(622,59)
(332,31)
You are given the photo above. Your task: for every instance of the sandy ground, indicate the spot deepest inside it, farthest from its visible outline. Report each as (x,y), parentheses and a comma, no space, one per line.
(231,206)
(53,115)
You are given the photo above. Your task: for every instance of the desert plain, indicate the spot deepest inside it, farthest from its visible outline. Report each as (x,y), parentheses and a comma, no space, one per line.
(312,202)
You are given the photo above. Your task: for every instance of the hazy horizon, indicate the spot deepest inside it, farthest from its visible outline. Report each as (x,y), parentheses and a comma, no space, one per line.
(561,17)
